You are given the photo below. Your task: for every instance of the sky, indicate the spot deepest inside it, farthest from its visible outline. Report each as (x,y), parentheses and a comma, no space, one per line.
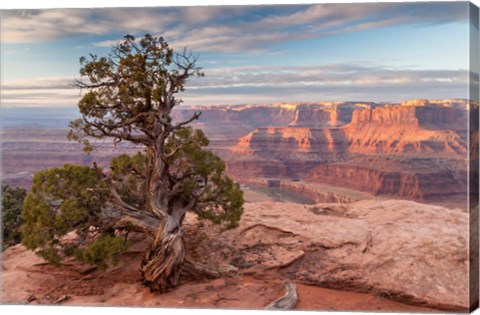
(252,54)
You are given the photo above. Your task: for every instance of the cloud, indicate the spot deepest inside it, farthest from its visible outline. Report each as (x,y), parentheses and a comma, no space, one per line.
(106,43)
(224,28)
(255,32)
(333,75)
(45,83)
(292,23)
(44,25)
(323,83)
(254,84)
(40,92)
(279,94)
(40,98)
(33,26)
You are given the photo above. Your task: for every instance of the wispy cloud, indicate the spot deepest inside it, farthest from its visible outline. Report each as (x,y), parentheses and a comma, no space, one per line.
(40,92)
(273,84)
(224,28)
(321,83)
(321,75)
(45,83)
(32,26)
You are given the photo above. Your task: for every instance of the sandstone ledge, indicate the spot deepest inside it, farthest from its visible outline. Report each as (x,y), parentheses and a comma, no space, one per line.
(393,250)
(401,250)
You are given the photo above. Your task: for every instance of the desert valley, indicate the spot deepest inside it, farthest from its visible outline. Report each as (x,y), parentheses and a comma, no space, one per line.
(324,152)
(363,205)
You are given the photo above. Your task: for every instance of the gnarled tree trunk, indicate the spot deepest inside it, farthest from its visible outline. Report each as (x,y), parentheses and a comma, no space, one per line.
(162,264)
(165,264)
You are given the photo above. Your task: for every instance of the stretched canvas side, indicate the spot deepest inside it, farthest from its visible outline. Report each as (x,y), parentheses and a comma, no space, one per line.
(473,152)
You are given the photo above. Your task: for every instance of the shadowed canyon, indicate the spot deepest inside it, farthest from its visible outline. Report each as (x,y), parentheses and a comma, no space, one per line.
(333,151)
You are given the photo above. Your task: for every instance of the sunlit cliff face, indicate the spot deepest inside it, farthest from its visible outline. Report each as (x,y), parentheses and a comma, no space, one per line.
(417,127)
(401,150)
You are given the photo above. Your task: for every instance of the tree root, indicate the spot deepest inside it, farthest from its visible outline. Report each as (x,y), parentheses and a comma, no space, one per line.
(162,263)
(165,265)
(288,300)
(192,270)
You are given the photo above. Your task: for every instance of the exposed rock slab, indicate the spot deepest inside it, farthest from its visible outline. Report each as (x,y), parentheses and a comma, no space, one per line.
(401,250)
(393,250)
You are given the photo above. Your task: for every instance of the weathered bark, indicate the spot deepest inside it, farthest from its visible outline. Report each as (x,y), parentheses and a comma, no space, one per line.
(161,266)
(144,224)
(192,270)
(165,262)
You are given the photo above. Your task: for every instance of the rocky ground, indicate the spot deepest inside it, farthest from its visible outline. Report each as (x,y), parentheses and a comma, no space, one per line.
(376,255)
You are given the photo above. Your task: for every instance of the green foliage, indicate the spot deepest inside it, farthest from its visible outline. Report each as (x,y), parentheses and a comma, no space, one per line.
(134,79)
(223,202)
(195,173)
(124,164)
(129,174)
(61,201)
(106,249)
(220,199)
(12,219)
(129,96)
(50,253)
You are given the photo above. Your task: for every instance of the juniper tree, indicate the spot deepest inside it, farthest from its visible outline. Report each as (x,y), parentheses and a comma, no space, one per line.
(12,219)
(129,97)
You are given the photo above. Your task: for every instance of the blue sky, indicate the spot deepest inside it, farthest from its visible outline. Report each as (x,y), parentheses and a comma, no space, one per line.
(253,54)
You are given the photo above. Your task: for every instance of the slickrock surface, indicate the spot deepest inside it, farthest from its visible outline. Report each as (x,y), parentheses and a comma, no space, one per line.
(403,250)
(370,255)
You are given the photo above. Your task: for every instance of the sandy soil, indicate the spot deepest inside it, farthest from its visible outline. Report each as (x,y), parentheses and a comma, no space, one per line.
(27,280)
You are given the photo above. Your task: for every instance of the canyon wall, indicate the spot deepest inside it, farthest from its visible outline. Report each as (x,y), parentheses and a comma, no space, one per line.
(221,122)
(225,122)
(431,185)
(415,150)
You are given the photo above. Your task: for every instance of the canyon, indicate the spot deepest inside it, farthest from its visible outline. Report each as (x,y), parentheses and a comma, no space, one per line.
(328,151)
(414,150)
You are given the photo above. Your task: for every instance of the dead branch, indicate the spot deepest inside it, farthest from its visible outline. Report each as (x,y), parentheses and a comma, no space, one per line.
(286,301)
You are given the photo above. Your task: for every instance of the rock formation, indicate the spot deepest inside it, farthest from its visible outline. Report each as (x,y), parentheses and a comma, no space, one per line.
(399,250)
(415,150)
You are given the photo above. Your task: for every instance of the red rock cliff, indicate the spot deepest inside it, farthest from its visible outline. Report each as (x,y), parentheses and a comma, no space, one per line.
(413,144)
